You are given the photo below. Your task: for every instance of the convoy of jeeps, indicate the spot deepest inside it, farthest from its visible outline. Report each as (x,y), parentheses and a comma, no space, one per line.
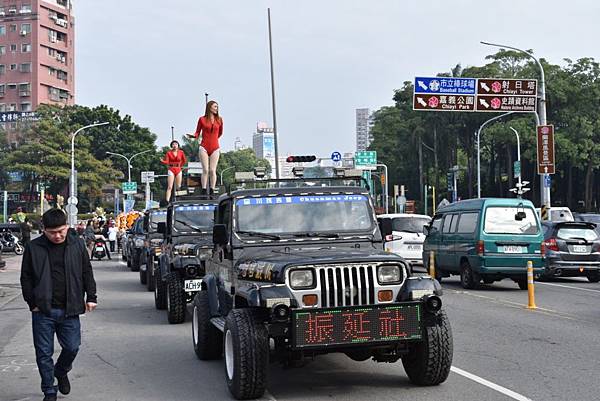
(285,270)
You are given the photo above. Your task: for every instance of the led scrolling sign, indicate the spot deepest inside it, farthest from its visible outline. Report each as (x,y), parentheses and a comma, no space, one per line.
(363,324)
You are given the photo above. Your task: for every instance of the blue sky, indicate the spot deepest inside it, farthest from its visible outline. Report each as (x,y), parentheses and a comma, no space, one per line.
(155,60)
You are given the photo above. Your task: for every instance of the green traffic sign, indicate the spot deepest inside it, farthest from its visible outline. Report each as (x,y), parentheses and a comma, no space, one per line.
(129,187)
(365,158)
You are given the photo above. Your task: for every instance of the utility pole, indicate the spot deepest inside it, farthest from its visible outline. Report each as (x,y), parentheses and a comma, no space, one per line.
(420,168)
(273,98)
(172,133)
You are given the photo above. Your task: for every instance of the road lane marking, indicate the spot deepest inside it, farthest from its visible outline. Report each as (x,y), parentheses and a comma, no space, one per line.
(568,286)
(487,383)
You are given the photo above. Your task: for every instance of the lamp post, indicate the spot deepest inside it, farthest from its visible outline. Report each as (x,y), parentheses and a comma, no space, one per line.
(221,175)
(479,149)
(73,184)
(518,155)
(544,192)
(129,160)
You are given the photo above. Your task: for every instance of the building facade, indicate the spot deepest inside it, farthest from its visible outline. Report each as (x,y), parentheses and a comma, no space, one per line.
(363,129)
(36,57)
(263,143)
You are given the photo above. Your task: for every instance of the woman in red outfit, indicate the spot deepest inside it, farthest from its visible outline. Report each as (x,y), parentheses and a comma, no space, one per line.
(210,127)
(175,159)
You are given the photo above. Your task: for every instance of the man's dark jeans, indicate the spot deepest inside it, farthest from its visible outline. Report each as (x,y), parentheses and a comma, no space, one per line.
(68,332)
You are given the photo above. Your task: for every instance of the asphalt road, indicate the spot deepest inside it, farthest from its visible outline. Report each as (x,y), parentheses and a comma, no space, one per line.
(502,350)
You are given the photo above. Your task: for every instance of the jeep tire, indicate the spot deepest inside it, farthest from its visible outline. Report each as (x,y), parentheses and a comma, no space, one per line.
(246,349)
(160,293)
(175,299)
(150,274)
(135,261)
(143,276)
(593,277)
(207,339)
(428,362)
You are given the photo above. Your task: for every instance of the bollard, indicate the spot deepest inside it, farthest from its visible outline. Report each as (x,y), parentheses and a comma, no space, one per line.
(530,286)
(432,264)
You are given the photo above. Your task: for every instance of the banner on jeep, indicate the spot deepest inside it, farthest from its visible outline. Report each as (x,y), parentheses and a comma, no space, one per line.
(356,325)
(277,200)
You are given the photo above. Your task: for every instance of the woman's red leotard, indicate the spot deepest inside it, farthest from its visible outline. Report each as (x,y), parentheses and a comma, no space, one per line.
(211,132)
(175,162)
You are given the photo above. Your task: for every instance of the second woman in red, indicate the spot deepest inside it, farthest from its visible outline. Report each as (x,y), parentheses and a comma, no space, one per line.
(175,159)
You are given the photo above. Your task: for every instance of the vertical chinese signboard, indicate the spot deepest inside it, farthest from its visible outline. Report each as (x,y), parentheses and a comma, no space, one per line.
(545,149)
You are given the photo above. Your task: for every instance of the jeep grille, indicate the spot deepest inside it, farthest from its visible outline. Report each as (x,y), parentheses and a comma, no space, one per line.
(346,285)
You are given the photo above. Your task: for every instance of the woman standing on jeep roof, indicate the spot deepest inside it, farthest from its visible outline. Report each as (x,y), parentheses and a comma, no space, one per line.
(211,127)
(175,159)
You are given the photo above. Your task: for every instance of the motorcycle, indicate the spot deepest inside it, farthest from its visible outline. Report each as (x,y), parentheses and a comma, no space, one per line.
(99,250)
(9,242)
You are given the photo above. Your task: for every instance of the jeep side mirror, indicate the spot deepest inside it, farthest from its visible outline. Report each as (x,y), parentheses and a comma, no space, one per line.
(161,228)
(220,234)
(385,225)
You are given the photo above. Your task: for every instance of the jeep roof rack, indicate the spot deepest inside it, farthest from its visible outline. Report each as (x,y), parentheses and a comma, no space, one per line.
(298,183)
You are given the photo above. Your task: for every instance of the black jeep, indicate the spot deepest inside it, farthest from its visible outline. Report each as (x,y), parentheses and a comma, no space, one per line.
(298,269)
(187,244)
(152,245)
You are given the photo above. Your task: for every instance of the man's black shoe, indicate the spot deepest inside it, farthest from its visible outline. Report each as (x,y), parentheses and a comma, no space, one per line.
(64,386)
(50,397)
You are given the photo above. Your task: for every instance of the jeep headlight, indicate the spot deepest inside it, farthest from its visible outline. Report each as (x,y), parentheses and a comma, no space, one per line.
(183,250)
(138,242)
(389,274)
(302,279)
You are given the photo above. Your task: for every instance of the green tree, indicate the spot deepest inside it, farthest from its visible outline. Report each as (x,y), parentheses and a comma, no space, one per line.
(238,160)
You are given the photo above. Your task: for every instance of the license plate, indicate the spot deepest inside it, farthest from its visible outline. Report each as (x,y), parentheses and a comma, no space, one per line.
(579,249)
(99,249)
(192,285)
(356,325)
(513,249)
(414,247)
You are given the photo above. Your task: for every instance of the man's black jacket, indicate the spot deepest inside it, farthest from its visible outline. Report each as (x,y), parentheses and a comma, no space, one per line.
(36,276)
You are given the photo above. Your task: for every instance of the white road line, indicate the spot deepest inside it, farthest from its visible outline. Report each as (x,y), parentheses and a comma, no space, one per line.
(567,286)
(493,386)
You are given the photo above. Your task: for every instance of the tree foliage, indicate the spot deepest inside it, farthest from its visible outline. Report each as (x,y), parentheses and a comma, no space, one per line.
(573,96)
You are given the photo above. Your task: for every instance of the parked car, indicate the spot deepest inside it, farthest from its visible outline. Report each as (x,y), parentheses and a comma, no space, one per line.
(558,213)
(485,239)
(572,250)
(407,236)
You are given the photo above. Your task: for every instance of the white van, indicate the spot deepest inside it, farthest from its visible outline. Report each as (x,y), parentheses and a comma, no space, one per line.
(407,236)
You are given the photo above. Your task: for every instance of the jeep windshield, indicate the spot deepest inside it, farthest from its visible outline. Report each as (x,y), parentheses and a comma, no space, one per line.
(304,216)
(194,218)
(157,217)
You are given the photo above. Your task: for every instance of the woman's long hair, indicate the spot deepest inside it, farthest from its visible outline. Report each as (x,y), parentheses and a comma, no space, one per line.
(207,111)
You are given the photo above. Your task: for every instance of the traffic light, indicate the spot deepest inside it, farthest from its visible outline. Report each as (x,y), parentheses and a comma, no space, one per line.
(301,159)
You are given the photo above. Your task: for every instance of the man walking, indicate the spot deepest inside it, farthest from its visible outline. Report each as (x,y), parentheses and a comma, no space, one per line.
(55,273)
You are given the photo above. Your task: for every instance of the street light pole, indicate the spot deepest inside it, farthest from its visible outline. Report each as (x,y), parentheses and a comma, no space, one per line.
(518,158)
(273,98)
(72,186)
(544,192)
(129,159)
(479,149)
(221,178)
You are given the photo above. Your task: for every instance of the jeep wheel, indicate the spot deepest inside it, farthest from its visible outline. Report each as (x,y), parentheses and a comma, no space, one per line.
(160,293)
(143,276)
(246,345)
(150,274)
(428,362)
(207,339)
(175,299)
(593,277)
(135,262)
(468,278)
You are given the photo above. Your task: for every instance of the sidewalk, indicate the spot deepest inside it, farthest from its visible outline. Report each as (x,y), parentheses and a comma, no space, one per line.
(10,287)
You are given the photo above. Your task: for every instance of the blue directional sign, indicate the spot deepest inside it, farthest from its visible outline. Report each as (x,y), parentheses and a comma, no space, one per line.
(547,181)
(445,85)
(336,156)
